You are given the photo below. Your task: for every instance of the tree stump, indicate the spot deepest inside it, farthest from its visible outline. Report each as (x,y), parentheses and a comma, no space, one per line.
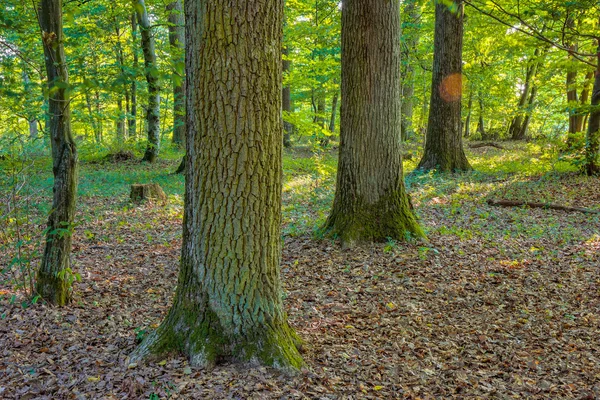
(150,191)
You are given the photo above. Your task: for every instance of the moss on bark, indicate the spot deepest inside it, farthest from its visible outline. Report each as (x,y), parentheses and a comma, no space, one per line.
(391,217)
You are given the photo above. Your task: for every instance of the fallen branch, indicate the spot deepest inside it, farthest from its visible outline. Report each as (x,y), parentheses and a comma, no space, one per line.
(485,144)
(511,203)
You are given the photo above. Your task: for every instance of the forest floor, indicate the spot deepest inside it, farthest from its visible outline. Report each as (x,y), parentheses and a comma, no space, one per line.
(499,303)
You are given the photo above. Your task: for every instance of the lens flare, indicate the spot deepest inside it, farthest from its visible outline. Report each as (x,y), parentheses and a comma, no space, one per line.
(451,88)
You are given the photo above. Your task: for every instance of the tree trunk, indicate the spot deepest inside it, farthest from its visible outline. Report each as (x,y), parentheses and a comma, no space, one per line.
(177,43)
(480,123)
(370,202)
(228,300)
(334,103)
(443,147)
(410,41)
(469,111)
(286,102)
(131,121)
(515,129)
(583,100)
(525,126)
(121,133)
(53,280)
(151,71)
(592,143)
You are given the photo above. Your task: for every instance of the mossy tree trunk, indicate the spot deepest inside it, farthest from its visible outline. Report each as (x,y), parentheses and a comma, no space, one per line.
(443,147)
(228,303)
(370,202)
(177,43)
(151,71)
(53,282)
(592,143)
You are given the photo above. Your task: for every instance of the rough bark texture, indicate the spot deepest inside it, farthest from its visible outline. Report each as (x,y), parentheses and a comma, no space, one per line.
(370,202)
(443,147)
(52,280)
(592,143)
(286,102)
(228,302)
(177,43)
(148,191)
(151,71)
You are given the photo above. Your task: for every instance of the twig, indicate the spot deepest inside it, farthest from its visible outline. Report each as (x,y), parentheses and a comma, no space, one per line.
(513,203)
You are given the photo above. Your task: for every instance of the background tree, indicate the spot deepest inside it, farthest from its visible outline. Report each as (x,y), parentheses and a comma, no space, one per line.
(370,200)
(228,300)
(177,42)
(53,281)
(443,146)
(151,72)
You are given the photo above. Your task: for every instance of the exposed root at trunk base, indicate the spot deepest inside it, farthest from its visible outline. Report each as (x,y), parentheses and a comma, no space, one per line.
(205,343)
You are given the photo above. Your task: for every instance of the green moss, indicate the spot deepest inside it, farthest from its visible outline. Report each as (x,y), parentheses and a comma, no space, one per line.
(391,217)
(53,289)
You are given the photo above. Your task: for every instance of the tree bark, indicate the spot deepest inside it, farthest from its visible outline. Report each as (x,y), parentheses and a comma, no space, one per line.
(53,280)
(228,299)
(443,147)
(151,71)
(177,43)
(370,202)
(592,143)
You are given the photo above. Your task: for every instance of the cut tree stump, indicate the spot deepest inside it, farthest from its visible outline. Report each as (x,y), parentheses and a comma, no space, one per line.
(486,144)
(150,191)
(511,203)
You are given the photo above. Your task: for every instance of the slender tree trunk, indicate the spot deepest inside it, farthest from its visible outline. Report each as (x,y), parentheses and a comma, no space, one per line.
(469,111)
(370,202)
(120,123)
(334,106)
(583,101)
(228,299)
(286,102)
(443,147)
(53,283)
(516,130)
(410,37)
(480,122)
(31,118)
(177,43)
(527,119)
(131,121)
(151,71)
(592,144)
(121,133)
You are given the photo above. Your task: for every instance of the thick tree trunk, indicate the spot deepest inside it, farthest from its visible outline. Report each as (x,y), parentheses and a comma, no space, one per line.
(177,43)
(286,102)
(228,299)
(151,71)
(410,41)
(53,283)
(370,202)
(592,143)
(131,120)
(443,147)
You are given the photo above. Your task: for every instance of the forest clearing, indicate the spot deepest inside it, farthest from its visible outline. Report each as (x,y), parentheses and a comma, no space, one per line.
(499,303)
